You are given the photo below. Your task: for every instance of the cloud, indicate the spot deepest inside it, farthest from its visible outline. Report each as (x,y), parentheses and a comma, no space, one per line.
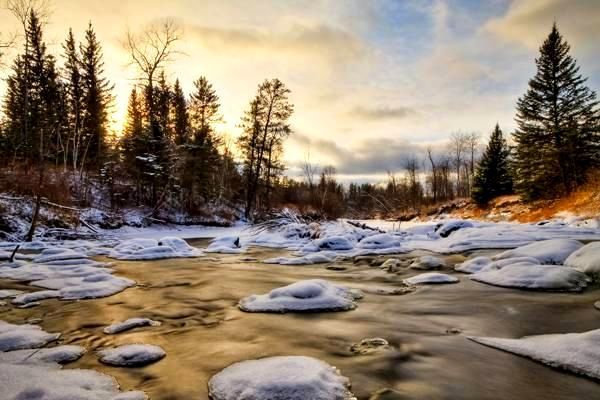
(382,113)
(528,22)
(296,39)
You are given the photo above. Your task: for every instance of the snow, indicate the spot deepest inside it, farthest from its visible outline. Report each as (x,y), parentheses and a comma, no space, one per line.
(428,262)
(152,249)
(538,277)
(333,243)
(447,228)
(279,378)
(381,241)
(305,296)
(53,355)
(574,352)
(554,251)
(309,259)
(482,264)
(18,337)
(69,274)
(8,293)
(430,278)
(586,259)
(131,355)
(129,324)
(226,245)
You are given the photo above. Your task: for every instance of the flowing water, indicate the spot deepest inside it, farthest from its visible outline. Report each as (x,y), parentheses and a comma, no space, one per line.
(203,331)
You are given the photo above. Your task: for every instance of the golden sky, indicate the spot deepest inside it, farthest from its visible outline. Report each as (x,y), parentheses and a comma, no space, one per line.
(372,81)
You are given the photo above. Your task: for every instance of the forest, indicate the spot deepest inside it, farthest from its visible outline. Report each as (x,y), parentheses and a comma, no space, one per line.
(170,159)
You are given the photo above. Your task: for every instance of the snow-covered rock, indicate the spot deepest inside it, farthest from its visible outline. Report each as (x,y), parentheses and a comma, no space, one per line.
(321,257)
(431,278)
(380,241)
(131,355)
(152,249)
(428,263)
(482,264)
(333,243)
(447,228)
(58,355)
(280,378)
(9,293)
(392,265)
(574,352)
(586,259)
(226,245)
(304,296)
(553,251)
(18,337)
(129,324)
(538,277)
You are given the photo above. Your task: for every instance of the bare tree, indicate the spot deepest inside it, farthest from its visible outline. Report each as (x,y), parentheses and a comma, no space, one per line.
(458,147)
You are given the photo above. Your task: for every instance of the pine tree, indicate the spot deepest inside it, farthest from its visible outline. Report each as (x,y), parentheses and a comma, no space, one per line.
(74,99)
(558,119)
(493,177)
(97,99)
(133,142)
(180,120)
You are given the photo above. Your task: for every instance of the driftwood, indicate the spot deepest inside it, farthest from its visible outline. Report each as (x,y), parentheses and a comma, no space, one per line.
(365,226)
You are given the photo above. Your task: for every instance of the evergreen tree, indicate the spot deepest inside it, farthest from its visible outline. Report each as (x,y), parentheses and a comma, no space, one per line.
(180,120)
(133,142)
(97,99)
(557,136)
(492,177)
(74,99)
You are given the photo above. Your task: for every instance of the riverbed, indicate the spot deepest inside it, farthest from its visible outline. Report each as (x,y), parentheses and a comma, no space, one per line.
(430,357)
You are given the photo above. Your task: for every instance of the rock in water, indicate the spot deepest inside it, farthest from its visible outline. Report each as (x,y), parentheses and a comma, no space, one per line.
(132,355)
(280,378)
(305,296)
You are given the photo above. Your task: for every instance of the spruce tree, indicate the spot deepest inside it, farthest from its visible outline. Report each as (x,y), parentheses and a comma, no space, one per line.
(133,142)
(74,99)
(97,99)
(493,177)
(557,136)
(180,120)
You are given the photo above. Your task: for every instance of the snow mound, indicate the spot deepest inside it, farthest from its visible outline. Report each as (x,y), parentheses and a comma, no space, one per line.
(28,382)
(537,277)
(58,254)
(226,245)
(447,228)
(304,296)
(430,278)
(336,243)
(132,355)
(129,324)
(575,352)
(151,249)
(321,257)
(35,297)
(586,259)
(428,262)
(380,241)
(9,293)
(482,264)
(553,251)
(18,337)
(56,355)
(279,378)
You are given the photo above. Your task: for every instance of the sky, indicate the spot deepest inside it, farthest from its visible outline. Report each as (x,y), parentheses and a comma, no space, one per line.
(373,82)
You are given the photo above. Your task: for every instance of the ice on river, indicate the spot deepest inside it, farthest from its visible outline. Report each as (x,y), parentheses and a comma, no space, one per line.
(152,249)
(131,355)
(305,296)
(276,378)
(131,323)
(68,274)
(226,245)
(535,277)
(18,337)
(575,352)
(48,357)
